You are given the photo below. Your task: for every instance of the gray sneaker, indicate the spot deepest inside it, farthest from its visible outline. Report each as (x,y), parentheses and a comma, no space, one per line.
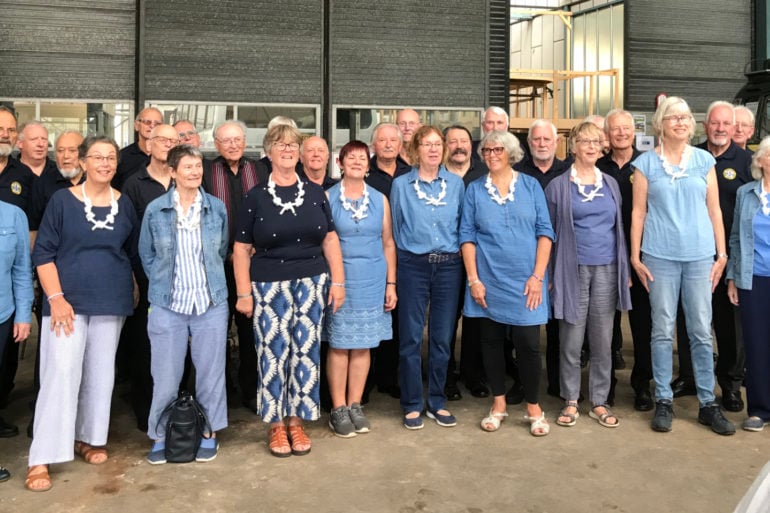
(360,421)
(339,421)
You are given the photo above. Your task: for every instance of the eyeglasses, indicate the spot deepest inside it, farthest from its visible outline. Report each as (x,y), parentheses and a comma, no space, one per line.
(744,125)
(165,140)
(675,120)
(427,145)
(185,135)
(149,122)
(498,150)
(409,124)
(282,146)
(237,141)
(589,142)
(112,159)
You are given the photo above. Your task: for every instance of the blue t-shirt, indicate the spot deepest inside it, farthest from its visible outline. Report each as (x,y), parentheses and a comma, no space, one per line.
(594,223)
(761,244)
(94,266)
(677,226)
(506,243)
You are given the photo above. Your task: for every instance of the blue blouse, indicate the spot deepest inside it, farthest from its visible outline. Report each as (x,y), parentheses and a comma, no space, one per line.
(594,226)
(94,266)
(421,228)
(16,274)
(677,226)
(505,237)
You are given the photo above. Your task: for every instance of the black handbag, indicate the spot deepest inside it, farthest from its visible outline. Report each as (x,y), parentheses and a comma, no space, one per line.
(186,425)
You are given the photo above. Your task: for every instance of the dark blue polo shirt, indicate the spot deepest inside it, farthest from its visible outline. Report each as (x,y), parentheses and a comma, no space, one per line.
(528,167)
(49,182)
(16,183)
(132,159)
(381,180)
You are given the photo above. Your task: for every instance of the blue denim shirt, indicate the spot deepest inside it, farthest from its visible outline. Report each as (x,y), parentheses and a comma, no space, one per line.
(15,265)
(157,247)
(740,267)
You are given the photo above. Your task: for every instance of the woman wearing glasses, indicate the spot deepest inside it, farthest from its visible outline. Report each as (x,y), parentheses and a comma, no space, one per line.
(288,267)
(678,249)
(590,272)
(426,205)
(502,210)
(84,250)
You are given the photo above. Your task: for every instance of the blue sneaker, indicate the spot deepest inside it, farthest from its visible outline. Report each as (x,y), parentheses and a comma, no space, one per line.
(443,420)
(157,455)
(415,423)
(207,451)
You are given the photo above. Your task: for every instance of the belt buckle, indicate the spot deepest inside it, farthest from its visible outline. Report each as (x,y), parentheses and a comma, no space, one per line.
(434,258)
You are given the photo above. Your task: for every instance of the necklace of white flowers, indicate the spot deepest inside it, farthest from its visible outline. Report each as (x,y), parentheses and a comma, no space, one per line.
(763,198)
(669,168)
(298,200)
(431,200)
(91,218)
(192,220)
(492,190)
(356,213)
(582,188)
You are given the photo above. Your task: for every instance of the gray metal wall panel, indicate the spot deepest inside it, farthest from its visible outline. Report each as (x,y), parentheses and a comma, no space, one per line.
(67,49)
(499,54)
(235,51)
(410,53)
(696,50)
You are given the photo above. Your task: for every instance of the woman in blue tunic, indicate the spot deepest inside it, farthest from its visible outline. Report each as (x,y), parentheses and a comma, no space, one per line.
(506,238)
(362,218)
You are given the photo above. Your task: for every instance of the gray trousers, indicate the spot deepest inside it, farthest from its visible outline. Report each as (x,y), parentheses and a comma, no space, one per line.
(597,301)
(77,374)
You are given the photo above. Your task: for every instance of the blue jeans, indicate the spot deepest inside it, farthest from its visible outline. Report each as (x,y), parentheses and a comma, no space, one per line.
(691,280)
(419,283)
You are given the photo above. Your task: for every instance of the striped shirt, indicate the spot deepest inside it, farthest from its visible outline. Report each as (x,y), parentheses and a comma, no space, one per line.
(190,292)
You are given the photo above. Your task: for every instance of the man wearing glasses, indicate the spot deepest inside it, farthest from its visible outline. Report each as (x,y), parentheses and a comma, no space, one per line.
(136,156)
(187,133)
(229,177)
(408,121)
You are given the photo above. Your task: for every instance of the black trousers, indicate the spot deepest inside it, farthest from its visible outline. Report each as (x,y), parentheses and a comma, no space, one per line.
(727,329)
(384,369)
(248,368)
(640,321)
(526,341)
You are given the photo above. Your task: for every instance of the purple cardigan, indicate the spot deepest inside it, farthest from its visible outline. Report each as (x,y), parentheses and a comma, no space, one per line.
(563,264)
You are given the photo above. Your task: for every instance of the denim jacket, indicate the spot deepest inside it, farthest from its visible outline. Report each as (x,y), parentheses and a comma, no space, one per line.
(740,267)
(157,247)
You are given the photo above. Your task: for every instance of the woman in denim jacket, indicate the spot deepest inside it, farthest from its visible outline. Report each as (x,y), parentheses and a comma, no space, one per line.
(183,243)
(748,283)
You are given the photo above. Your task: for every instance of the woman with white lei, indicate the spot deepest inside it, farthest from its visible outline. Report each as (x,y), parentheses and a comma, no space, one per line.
(506,240)
(183,245)
(362,217)
(590,273)
(83,253)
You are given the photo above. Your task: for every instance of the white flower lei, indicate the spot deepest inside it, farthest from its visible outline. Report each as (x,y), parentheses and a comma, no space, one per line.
(582,188)
(763,199)
(193,220)
(91,218)
(669,168)
(356,213)
(298,201)
(431,200)
(493,192)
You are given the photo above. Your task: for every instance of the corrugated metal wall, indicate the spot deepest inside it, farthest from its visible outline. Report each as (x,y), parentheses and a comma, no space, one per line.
(499,53)
(695,49)
(67,49)
(427,53)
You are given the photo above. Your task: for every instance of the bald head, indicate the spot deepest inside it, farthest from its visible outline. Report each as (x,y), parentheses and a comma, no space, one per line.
(162,139)
(408,122)
(314,155)
(66,147)
(146,120)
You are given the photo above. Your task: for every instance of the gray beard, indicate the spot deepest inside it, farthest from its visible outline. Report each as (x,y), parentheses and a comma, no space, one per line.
(5,150)
(69,173)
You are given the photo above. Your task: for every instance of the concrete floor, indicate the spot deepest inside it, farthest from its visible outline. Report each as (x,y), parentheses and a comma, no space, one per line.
(586,468)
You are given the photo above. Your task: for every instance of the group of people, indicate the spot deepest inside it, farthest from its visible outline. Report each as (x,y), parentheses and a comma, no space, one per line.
(158,249)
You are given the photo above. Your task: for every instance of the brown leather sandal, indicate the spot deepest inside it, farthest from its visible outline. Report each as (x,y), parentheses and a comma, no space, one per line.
(38,479)
(90,454)
(279,442)
(300,442)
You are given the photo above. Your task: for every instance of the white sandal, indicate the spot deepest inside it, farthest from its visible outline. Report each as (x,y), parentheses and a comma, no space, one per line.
(538,424)
(494,419)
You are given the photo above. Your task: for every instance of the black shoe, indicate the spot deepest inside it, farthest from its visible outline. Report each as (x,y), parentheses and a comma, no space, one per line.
(516,394)
(683,386)
(585,356)
(393,391)
(7,430)
(478,389)
(4,475)
(250,404)
(732,401)
(643,401)
(452,392)
(618,363)
(711,415)
(664,414)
